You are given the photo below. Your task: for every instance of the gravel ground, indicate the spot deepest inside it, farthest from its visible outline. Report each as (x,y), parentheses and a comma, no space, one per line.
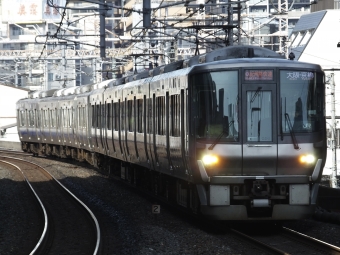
(131,228)
(18,216)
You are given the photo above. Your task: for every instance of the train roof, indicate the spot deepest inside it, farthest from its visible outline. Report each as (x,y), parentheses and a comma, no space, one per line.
(231,52)
(237,56)
(253,62)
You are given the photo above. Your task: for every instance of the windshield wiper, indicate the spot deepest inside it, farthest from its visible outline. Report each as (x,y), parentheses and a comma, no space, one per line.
(225,131)
(296,145)
(254,96)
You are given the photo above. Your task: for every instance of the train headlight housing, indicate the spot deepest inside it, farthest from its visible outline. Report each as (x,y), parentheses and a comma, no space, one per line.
(307,159)
(210,160)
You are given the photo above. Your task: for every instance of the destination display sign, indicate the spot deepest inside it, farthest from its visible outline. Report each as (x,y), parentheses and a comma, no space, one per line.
(258,75)
(306,76)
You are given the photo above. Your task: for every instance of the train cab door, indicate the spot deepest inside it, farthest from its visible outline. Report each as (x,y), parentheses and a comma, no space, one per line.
(259,112)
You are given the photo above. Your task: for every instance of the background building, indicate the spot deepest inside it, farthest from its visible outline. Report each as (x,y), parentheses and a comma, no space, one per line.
(44,46)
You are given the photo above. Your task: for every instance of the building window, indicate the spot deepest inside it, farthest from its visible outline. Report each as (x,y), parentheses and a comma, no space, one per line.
(16,30)
(6,46)
(23,46)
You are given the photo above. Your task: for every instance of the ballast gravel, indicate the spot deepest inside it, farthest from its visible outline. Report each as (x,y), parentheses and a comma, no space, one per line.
(128,224)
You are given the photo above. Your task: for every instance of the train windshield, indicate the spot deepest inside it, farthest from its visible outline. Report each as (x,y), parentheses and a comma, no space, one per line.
(216,105)
(301,101)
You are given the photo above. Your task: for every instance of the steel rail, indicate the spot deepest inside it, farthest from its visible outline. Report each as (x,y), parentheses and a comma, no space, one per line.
(269,248)
(43,235)
(96,250)
(311,240)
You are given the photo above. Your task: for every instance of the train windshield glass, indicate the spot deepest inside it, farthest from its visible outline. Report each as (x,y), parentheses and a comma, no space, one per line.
(301,101)
(215,98)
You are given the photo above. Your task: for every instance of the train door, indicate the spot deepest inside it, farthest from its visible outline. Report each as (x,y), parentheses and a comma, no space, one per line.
(150,123)
(107,126)
(259,128)
(122,133)
(101,127)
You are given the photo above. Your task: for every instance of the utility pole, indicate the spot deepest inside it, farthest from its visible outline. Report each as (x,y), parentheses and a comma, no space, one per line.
(16,74)
(333,179)
(102,8)
(230,23)
(30,69)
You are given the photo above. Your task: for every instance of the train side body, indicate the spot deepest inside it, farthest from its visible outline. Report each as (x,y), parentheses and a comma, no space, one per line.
(237,139)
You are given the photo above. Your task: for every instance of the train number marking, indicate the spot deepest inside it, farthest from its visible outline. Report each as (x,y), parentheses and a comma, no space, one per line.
(156,209)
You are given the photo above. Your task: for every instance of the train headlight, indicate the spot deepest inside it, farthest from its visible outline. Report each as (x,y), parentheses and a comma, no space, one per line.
(307,159)
(209,160)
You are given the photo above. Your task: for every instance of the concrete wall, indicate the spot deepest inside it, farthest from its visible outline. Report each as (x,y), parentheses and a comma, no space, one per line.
(9,95)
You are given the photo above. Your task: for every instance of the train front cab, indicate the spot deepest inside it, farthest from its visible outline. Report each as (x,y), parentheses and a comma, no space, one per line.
(259,139)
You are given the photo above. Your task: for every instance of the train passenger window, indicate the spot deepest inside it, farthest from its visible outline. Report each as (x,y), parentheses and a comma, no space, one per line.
(55,117)
(175,115)
(93,116)
(37,115)
(80,117)
(84,118)
(150,115)
(31,118)
(70,117)
(116,115)
(101,116)
(78,120)
(51,118)
(97,116)
(108,116)
(64,118)
(216,105)
(160,115)
(130,114)
(140,113)
(22,118)
(301,100)
(45,118)
(122,115)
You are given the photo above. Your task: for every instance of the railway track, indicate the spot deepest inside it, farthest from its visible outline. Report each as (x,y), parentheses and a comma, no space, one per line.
(264,240)
(69,227)
(282,240)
